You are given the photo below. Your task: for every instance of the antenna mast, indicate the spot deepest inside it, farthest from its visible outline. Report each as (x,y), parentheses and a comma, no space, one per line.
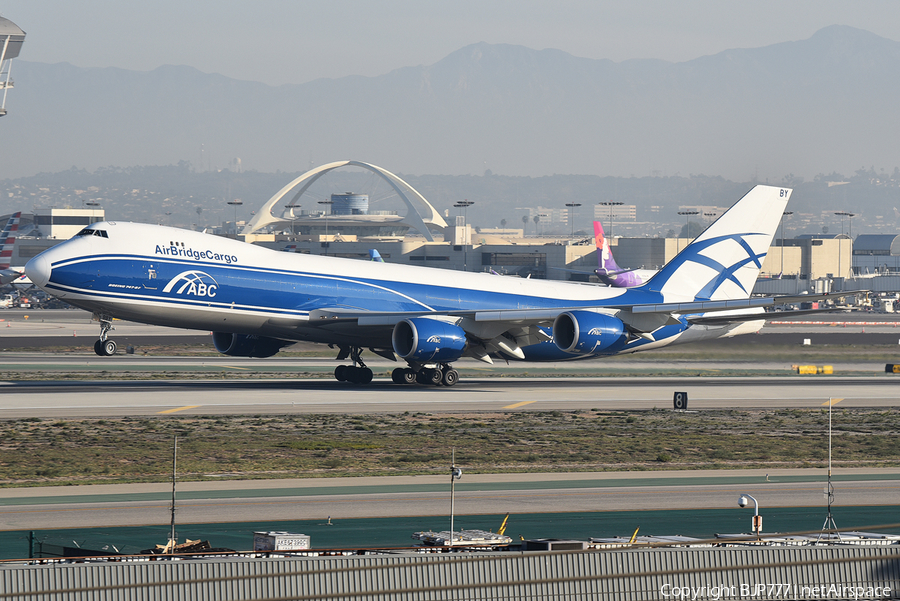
(829,488)
(174,463)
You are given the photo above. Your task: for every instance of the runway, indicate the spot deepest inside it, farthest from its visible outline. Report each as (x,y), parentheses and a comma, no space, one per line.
(476,494)
(116,398)
(82,385)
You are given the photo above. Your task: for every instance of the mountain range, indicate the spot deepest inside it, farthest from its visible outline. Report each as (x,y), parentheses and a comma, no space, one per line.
(801,108)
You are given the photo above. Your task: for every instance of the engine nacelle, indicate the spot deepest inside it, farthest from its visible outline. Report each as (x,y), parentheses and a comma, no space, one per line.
(244,345)
(588,333)
(425,340)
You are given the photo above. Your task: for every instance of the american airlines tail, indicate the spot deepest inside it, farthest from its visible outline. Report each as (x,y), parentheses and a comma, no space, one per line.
(8,240)
(724,261)
(7,243)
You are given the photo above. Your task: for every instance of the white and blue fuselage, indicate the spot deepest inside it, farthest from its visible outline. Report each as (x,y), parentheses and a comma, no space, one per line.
(172,277)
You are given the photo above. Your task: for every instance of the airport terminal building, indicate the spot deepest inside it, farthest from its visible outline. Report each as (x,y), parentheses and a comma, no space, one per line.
(343,225)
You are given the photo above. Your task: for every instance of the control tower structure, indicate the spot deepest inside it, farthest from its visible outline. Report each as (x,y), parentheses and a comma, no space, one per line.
(11,40)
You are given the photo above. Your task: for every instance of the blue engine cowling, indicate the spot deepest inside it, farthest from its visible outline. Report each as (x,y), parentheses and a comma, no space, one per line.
(588,333)
(244,345)
(424,340)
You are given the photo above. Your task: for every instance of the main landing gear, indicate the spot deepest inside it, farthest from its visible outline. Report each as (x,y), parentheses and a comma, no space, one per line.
(105,347)
(357,373)
(436,374)
(442,374)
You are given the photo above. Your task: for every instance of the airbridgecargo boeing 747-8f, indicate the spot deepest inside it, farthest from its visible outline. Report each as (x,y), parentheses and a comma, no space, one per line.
(256,300)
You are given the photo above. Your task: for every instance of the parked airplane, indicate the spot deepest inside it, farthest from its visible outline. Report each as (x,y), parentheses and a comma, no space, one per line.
(609,272)
(7,243)
(607,269)
(256,301)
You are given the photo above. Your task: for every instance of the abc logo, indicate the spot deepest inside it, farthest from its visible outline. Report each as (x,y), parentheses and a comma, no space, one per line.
(193,283)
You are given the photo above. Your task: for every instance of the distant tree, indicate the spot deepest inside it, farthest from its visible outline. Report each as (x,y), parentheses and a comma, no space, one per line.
(199,210)
(537,220)
(503,223)
(691,229)
(524,223)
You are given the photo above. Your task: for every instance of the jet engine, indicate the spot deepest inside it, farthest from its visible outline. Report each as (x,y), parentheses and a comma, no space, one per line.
(425,340)
(588,333)
(244,345)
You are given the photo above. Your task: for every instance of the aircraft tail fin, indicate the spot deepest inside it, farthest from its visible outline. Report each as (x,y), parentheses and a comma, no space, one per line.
(374,255)
(608,270)
(724,261)
(605,260)
(8,240)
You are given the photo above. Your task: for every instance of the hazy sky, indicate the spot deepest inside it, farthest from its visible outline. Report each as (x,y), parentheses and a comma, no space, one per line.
(279,42)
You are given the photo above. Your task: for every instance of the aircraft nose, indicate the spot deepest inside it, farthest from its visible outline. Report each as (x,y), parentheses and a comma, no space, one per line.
(38,270)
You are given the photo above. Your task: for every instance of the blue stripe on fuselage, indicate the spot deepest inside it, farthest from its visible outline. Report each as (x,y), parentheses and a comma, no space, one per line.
(279,290)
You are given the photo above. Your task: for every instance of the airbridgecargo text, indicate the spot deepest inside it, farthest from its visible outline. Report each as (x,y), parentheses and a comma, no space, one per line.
(775,591)
(197,255)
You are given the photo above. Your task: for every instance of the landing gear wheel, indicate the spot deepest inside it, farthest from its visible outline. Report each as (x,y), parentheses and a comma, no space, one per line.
(398,376)
(98,348)
(408,377)
(340,373)
(429,376)
(363,375)
(109,348)
(451,377)
(358,375)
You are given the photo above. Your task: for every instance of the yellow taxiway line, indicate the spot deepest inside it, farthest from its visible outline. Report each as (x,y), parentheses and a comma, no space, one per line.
(178,409)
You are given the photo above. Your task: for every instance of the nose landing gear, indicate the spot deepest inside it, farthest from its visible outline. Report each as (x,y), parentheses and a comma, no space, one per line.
(105,347)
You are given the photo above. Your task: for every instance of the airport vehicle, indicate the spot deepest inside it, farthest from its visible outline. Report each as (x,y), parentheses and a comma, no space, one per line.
(7,243)
(256,300)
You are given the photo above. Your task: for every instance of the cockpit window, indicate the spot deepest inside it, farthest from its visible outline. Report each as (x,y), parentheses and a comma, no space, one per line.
(90,232)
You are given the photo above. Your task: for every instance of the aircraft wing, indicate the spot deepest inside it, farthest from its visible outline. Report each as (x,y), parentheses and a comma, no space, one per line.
(714,320)
(510,329)
(731,305)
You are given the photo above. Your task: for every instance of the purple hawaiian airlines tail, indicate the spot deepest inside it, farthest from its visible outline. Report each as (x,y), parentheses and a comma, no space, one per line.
(608,272)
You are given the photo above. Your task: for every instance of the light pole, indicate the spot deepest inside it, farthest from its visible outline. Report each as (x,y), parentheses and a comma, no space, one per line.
(327,210)
(611,204)
(235,203)
(455,474)
(467,238)
(783,215)
(464,205)
(687,223)
(757,519)
(850,216)
(572,206)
